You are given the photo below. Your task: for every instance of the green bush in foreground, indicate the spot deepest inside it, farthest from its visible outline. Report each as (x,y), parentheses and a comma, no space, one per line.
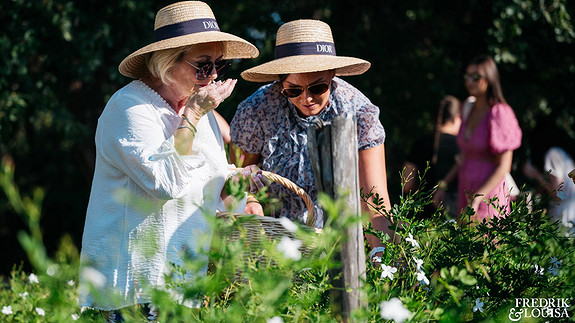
(439,269)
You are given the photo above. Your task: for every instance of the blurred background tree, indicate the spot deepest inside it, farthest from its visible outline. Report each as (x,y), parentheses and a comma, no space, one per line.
(59,67)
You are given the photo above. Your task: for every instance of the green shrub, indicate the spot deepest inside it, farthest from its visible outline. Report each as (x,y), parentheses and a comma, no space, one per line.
(438,270)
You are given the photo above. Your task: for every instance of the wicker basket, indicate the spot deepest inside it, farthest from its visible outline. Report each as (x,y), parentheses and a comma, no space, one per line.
(258,230)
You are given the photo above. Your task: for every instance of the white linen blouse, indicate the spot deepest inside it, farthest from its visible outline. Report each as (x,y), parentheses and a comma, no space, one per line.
(148,204)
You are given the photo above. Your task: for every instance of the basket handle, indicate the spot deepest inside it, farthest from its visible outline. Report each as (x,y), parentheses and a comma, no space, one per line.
(296,189)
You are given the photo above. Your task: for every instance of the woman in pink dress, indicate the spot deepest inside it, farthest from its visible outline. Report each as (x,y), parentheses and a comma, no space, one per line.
(487,137)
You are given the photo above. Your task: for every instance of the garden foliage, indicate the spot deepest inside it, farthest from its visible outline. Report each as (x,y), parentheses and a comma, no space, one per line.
(60,57)
(440,269)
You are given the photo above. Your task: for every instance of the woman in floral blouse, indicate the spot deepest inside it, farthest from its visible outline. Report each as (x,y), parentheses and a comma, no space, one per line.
(270,126)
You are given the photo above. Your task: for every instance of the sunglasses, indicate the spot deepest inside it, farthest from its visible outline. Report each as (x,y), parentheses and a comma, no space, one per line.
(316,89)
(204,69)
(472,77)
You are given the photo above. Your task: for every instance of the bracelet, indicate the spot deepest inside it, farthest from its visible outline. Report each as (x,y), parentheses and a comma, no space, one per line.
(191,124)
(374,251)
(187,127)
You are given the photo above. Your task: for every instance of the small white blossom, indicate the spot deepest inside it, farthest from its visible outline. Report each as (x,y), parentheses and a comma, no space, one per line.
(387,271)
(71,282)
(422,278)
(376,259)
(75,317)
(538,270)
(23,295)
(478,306)
(418,263)
(288,224)
(275,319)
(93,276)
(290,248)
(413,242)
(52,270)
(33,278)
(7,310)
(40,311)
(394,310)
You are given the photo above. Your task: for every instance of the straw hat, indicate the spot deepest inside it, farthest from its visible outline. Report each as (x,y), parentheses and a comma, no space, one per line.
(304,46)
(181,24)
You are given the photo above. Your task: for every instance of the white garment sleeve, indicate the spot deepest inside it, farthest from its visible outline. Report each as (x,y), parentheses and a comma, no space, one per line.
(133,138)
(555,162)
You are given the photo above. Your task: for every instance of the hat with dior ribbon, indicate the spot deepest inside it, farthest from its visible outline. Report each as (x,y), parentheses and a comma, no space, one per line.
(304,46)
(182,24)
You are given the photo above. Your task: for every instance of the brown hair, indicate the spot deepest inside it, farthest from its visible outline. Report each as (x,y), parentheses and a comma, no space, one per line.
(449,108)
(488,69)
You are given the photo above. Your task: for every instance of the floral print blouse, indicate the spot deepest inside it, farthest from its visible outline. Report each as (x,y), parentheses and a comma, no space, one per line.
(267,123)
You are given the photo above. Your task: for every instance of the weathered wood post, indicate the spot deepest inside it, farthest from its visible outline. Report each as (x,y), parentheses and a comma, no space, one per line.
(333,153)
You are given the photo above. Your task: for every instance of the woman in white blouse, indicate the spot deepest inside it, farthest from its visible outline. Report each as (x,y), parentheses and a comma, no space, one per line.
(160,163)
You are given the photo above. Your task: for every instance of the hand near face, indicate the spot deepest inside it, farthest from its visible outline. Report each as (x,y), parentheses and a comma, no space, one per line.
(208,98)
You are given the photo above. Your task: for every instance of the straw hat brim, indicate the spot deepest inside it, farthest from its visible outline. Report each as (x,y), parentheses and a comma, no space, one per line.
(134,65)
(343,66)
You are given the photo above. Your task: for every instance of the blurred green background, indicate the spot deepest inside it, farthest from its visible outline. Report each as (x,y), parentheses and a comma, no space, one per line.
(59,60)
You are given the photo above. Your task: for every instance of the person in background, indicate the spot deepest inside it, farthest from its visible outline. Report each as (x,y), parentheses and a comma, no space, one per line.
(270,126)
(488,135)
(552,152)
(160,163)
(440,151)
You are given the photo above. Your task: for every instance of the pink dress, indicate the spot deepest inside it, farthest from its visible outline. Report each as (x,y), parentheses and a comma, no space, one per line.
(497,132)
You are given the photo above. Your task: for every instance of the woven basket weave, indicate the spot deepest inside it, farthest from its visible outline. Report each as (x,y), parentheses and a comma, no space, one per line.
(258,230)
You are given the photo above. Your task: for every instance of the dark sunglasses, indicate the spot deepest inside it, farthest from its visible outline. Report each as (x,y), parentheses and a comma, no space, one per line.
(316,89)
(204,69)
(472,77)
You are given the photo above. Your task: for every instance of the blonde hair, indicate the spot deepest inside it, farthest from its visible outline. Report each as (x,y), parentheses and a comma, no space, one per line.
(161,63)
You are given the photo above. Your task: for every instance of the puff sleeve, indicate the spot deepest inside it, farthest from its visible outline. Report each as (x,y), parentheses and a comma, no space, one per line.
(504,131)
(370,132)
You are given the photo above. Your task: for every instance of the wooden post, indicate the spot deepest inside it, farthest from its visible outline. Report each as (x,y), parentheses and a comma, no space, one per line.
(333,153)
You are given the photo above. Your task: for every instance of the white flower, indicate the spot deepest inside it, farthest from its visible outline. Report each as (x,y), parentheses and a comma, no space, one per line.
(7,310)
(538,270)
(71,282)
(290,248)
(478,306)
(75,317)
(388,271)
(52,270)
(288,224)
(275,319)
(418,263)
(394,310)
(422,278)
(23,295)
(33,278)
(40,311)
(376,259)
(413,242)
(92,276)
